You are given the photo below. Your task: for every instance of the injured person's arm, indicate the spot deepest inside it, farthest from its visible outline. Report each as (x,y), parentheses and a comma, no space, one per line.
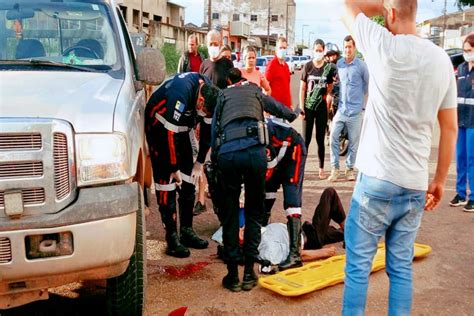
(317,254)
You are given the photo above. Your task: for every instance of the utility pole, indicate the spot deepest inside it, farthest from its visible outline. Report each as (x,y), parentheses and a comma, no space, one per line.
(309,38)
(209,14)
(445,21)
(286,24)
(140,20)
(268,27)
(302,34)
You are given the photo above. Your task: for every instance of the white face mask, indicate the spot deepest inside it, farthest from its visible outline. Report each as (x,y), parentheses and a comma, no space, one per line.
(469,57)
(318,56)
(281,53)
(213,51)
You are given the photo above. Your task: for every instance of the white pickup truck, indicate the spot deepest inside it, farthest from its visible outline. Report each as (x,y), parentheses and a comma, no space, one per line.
(72,151)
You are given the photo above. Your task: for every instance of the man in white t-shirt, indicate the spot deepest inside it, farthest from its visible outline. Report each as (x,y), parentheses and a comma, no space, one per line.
(411,84)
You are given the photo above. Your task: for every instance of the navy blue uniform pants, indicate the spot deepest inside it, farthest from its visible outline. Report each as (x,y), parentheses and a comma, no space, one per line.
(245,166)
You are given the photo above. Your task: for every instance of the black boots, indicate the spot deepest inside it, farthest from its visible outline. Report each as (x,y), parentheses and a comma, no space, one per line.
(294,257)
(175,248)
(250,277)
(191,240)
(231,280)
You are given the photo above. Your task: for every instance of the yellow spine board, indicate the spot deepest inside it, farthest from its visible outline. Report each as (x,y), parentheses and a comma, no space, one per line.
(320,274)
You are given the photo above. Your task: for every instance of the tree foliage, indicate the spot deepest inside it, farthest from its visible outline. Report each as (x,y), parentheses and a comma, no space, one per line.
(171,56)
(467,3)
(379,19)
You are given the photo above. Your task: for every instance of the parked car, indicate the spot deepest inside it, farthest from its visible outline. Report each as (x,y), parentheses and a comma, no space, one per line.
(291,64)
(304,60)
(298,62)
(456,59)
(261,64)
(237,61)
(73,153)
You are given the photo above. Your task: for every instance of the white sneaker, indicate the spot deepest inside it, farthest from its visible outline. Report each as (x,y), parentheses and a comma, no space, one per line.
(334,175)
(350,174)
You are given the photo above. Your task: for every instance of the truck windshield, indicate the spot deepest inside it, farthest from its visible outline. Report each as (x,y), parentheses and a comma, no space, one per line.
(57,32)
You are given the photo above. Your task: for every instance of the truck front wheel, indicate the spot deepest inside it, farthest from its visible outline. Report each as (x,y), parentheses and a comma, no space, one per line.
(126,293)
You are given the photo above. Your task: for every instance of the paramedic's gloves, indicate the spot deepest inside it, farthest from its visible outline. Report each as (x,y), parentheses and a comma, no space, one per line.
(177,177)
(434,195)
(196,174)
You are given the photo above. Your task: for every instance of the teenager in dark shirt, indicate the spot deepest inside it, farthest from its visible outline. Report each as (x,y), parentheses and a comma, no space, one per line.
(315,98)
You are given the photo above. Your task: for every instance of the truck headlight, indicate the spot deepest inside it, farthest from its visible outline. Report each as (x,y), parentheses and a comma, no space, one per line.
(101,158)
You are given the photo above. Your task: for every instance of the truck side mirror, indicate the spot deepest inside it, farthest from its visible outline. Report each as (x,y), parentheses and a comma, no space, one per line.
(151,66)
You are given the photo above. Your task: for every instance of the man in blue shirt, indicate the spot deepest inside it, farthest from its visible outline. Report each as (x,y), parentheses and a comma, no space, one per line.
(354,83)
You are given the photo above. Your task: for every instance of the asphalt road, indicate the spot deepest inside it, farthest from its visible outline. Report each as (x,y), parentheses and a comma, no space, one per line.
(443,281)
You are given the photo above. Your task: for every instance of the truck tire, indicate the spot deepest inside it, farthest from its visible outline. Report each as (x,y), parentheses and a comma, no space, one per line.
(125,293)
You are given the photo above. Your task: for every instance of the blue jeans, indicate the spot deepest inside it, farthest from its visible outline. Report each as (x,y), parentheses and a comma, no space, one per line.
(465,162)
(381,208)
(353,124)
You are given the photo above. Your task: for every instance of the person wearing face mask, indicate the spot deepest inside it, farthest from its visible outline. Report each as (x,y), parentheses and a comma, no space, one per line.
(315,96)
(170,114)
(251,73)
(465,142)
(354,84)
(279,76)
(215,68)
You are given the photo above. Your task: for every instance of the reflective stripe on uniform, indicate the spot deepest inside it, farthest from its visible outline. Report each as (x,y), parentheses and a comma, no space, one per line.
(293,211)
(170,126)
(281,154)
(468,101)
(270,195)
(165,187)
(172,186)
(186,178)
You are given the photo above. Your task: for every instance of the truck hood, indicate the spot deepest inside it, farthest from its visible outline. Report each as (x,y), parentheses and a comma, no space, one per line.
(86,100)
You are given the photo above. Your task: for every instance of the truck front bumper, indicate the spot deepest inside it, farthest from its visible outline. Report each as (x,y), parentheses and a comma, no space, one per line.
(102,222)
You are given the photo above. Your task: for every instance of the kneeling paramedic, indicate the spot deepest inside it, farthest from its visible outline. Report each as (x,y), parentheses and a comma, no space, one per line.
(171,113)
(239,137)
(286,154)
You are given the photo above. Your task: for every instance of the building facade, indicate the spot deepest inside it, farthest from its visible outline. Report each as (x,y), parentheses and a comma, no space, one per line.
(162,21)
(254,21)
(448,31)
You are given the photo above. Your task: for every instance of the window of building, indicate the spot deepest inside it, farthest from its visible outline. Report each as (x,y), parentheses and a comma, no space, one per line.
(215,16)
(157,18)
(253,18)
(235,17)
(123,9)
(274,18)
(136,17)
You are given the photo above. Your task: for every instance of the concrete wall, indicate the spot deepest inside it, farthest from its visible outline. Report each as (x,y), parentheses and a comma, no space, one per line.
(259,9)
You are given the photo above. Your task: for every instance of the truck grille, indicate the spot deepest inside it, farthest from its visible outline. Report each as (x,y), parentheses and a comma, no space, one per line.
(30,197)
(21,169)
(20,142)
(5,250)
(61,166)
(39,163)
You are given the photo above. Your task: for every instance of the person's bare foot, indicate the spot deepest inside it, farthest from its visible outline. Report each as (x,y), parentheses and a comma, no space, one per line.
(322,174)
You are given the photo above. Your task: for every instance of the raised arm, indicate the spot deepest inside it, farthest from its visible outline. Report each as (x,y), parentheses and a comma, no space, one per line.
(353,7)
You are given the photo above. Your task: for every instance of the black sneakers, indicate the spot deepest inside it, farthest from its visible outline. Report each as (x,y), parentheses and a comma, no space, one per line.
(458,201)
(469,207)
